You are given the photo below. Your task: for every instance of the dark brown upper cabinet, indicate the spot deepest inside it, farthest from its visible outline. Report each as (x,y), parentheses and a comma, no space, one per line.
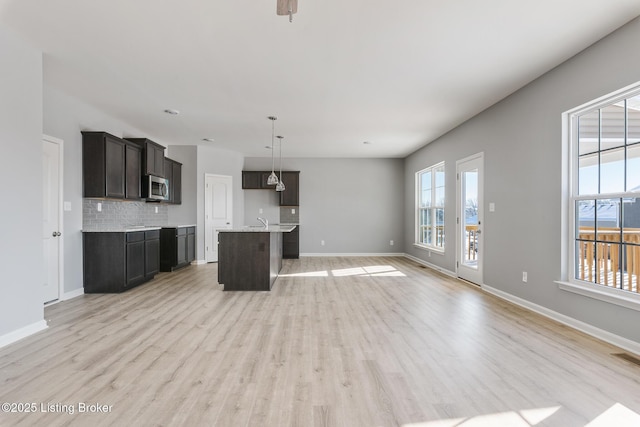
(290,196)
(173,172)
(110,167)
(152,158)
(256,180)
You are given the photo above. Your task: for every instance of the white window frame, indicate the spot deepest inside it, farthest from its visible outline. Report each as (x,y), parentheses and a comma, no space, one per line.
(568,280)
(433,207)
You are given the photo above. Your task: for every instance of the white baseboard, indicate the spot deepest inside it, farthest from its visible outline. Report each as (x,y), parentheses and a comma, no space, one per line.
(199,262)
(431,266)
(21,333)
(632,346)
(72,294)
(351,254)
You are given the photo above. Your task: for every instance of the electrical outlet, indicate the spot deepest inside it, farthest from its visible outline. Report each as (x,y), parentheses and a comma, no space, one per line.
(99,207)
(429,254)
(524,276)
(156,209)
(321,242)
(391,242)
(293,211)
(260,210)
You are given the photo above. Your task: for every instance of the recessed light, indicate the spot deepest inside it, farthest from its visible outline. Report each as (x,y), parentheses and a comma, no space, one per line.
(208,139)
(367,142)
(172,111)
(268,147)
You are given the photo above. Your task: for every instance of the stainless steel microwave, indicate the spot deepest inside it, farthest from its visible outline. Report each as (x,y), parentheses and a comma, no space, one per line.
(155,188)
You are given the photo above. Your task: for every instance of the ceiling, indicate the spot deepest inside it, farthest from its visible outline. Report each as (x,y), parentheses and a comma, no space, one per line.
(394,74)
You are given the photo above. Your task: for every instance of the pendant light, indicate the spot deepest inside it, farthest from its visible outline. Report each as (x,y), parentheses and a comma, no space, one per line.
(280,186)
(273,179)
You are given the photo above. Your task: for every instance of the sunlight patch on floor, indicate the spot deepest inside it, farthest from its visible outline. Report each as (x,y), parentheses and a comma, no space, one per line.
(618,415)
(369,271)
(525,418)
(373,270)
(307,274)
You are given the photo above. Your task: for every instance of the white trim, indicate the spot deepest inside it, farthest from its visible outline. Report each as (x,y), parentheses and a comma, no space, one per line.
(431,266)
(398,254)
(435,249)
(200,262)
(416,210)
(21,333)
(602,293)
(73,294)
(60,143)
(478,274)
(570,170)
(208,222)
(603,335)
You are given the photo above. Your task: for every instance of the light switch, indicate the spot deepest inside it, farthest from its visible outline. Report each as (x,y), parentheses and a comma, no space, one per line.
(293,211)
(492,207)
(260,211)
(99,207)
(67,206)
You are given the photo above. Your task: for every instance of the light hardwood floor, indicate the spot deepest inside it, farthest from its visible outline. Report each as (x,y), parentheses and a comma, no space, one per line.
(338,341)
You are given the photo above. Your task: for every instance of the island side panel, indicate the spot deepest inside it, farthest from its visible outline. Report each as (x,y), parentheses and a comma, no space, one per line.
(275,256)
(244,261)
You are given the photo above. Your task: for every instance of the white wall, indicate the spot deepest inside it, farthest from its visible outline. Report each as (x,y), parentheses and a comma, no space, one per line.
(65,117)
(522,141)
(354,205)
(21,263)
(217,162)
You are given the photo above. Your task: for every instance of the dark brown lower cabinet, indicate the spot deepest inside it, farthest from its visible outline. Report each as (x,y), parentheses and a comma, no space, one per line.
(291,244)
(249,261)
(117,261)
(177,247)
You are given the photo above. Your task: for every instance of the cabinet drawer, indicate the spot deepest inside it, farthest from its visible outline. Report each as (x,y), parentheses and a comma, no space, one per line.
(191,230)
(137,236)
(152,235)
(182,231)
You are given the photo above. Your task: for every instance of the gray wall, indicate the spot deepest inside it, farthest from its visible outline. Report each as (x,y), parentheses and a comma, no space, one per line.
(21,262)
(522,141)
(185,213)
(354,205)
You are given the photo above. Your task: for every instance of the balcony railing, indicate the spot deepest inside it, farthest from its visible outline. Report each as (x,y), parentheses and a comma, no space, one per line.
(609,256)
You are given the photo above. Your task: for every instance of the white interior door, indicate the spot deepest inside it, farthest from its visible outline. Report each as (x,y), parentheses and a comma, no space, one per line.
(51,217)
(470,218)
(218,211)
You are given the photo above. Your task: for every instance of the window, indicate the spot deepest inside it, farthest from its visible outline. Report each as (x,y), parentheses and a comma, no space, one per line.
(430,207)
(605,196)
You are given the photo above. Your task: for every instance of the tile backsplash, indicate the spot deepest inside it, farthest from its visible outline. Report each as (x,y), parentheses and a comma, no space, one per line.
(287,217)
(117,214)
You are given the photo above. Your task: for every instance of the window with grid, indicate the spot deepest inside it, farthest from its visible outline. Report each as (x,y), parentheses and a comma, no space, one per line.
(430,199)
(605,193)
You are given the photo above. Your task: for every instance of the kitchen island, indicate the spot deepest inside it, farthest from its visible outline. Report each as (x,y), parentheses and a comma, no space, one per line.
(250,258)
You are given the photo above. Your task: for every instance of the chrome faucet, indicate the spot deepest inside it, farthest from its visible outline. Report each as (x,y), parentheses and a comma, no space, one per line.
(264,222)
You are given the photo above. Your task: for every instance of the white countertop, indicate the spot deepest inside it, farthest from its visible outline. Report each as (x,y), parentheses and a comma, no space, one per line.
(178,226)
(273,228)
(122,229)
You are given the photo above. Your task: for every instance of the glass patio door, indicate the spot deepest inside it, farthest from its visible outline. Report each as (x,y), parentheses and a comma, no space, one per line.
(469,218)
